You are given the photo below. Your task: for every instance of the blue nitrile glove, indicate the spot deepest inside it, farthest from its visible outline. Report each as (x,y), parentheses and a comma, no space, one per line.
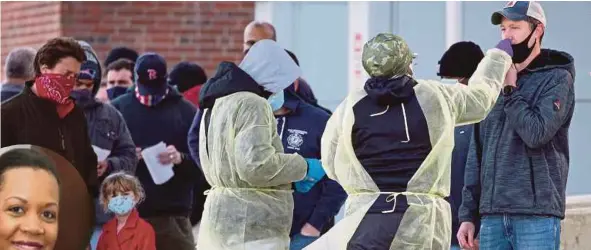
(315,174)
(505,45)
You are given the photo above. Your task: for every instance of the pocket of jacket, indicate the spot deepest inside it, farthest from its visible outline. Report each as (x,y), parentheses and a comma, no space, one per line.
(106,134)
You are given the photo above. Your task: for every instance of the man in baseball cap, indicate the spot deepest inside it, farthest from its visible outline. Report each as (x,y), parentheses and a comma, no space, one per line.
(399,174)
(157,113)
(527,136)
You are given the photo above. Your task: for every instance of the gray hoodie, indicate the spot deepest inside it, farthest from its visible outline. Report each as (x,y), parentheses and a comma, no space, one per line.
(524,160)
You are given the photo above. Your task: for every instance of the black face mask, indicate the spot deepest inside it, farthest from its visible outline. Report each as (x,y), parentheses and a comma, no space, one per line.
(521,51)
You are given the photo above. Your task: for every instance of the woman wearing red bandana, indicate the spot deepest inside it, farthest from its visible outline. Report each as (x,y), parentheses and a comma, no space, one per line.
(43,114)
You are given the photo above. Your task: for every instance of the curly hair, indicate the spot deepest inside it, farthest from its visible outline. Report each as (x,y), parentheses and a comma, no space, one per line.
(120,182)
(55,50)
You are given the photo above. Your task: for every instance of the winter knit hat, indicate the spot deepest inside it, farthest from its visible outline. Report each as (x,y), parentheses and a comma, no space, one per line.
(460,60)
(386,55)
(186,75)
(121,52)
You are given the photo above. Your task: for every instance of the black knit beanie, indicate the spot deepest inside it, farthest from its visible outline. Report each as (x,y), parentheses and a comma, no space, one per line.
(460,60)
(121,52)
(186,75)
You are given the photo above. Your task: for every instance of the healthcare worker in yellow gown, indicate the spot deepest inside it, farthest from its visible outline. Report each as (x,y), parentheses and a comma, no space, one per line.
(250,204)
(389,145)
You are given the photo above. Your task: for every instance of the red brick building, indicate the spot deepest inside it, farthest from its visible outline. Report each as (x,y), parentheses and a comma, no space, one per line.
(202,32)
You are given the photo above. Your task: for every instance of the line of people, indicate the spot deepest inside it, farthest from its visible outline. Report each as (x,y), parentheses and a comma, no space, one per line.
(254,132)
(84,107)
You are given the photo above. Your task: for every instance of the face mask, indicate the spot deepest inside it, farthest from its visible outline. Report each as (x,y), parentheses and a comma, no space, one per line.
(276,101)
(55,87)
(116,91)
(521,51)
(121,204)
(154,96)
(82,96)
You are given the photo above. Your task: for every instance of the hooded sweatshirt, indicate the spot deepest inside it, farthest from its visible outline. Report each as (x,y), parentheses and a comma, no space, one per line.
(524,145)
(391,165)
(239,117)
(107,130)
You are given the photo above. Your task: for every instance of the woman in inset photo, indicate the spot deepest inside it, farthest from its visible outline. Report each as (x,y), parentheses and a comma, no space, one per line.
(29,200)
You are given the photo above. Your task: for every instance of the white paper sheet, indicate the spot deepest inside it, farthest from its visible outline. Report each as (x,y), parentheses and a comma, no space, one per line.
(160,173)
(101,154)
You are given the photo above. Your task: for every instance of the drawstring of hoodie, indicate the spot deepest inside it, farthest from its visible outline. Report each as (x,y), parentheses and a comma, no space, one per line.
(282,128)
(405,120)
(405,124)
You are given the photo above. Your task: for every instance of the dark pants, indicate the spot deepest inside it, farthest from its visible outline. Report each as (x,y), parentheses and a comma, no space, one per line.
(375,232)
(172,233)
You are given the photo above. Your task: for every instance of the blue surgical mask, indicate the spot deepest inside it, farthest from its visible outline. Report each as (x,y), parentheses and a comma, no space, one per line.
(121,204)
(276,100)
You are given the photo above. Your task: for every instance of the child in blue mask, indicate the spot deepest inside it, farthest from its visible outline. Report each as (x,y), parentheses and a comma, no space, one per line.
(120,194)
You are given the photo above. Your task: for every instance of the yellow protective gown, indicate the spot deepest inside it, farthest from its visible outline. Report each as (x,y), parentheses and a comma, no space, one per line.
(250,204)
(427,222)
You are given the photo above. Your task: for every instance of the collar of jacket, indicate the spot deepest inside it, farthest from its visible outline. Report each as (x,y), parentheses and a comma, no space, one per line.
(128,229)
(41,103)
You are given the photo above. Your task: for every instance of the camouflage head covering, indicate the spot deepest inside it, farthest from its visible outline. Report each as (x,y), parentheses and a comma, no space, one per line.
(386,55)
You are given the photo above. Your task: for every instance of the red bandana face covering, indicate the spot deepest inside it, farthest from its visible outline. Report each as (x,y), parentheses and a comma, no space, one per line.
(57,88)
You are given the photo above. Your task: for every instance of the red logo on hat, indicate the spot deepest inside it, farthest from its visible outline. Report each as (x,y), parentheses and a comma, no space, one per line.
(510,4)
(152,74)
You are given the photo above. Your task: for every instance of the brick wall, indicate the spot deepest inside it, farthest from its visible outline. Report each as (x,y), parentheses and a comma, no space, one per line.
(202,32)
(19,28)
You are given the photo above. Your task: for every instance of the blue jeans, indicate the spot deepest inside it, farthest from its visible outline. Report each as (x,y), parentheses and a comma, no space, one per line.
(455,247)
(298,241)
(507,232)
(95,237)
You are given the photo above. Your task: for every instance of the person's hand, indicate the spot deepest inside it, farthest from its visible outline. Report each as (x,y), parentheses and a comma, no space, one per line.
(466,236)
(315,170)
(315,174)
(138,153)
(304,186)
(511,77)
(171,155)
(101,168)
(505,45)
(309,230)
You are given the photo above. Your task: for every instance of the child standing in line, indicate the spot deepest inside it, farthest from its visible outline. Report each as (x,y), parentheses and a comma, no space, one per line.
(120,194)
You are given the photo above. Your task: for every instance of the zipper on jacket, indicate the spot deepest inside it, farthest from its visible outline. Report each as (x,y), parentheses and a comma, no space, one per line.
(494,179)
(62,139)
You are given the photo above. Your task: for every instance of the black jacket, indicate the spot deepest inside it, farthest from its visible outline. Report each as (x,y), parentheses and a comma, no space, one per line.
(167,122)
(29,119)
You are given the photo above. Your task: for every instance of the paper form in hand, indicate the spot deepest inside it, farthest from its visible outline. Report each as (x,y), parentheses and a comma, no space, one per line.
(101,154)
(160,173)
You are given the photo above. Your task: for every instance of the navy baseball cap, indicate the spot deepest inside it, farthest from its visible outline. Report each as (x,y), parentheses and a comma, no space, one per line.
(150,70)
(89,71)
(520,11)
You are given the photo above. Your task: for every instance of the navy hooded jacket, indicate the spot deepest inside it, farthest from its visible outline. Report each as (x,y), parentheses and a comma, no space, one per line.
(462,136)
(300,132)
